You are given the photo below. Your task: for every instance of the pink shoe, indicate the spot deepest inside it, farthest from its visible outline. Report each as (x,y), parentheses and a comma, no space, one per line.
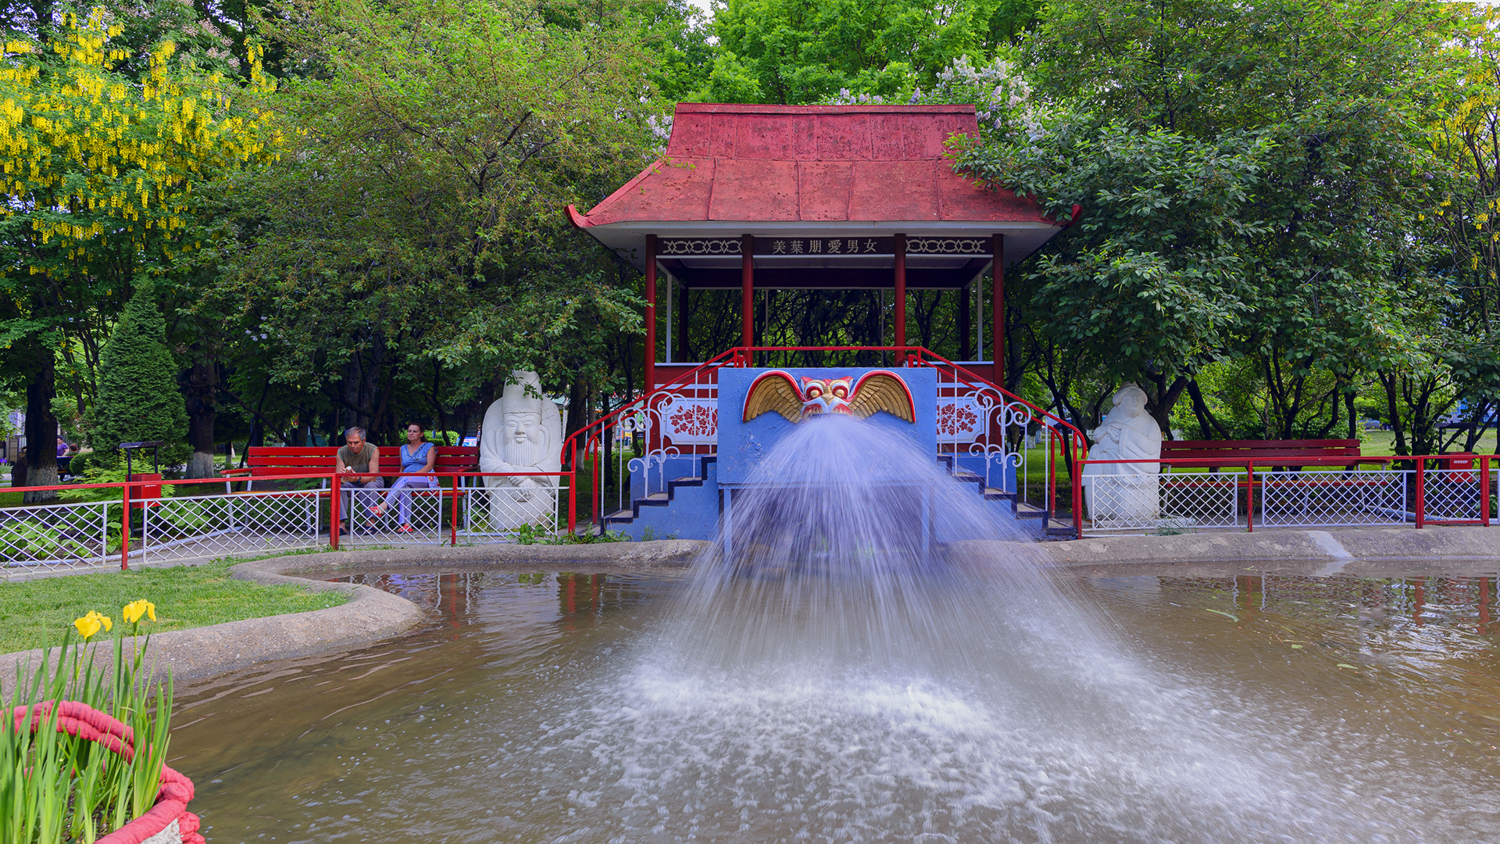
(406,529)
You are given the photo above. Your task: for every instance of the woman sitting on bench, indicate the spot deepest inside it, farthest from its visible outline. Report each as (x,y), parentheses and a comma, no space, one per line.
(417,458)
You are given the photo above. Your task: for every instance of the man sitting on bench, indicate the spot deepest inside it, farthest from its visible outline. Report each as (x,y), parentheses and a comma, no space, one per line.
(359,464)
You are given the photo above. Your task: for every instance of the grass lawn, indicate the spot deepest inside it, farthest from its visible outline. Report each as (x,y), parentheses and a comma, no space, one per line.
(35,613)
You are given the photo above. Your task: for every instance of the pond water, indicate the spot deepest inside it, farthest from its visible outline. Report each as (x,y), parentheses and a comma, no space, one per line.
(551,707)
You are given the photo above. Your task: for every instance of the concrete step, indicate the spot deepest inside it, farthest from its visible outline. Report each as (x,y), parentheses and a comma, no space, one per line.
(1029,511)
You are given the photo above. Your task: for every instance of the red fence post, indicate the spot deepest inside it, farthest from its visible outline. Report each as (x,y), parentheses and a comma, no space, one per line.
(1052,479)
(573,493)
(334,516)
(1250,498)
(1075,477)
(125,529)
(1484,490)
(1421,493)
(453,531)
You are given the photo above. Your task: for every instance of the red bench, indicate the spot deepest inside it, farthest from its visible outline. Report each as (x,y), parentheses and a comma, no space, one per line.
(1298,453)
(270,462)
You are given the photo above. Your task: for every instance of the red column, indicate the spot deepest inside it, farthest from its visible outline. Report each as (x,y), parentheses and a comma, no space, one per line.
(747,294)
(997,318)
(650,312)
(900,304)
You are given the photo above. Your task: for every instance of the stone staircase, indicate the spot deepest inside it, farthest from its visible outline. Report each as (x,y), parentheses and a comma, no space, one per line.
(689,507)
(1023,512)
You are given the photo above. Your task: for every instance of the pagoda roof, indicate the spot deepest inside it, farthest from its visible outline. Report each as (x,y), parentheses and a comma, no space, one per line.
(822,170)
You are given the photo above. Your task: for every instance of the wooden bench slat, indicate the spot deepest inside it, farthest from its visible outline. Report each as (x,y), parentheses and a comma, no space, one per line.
(1300,453)
(1260,444)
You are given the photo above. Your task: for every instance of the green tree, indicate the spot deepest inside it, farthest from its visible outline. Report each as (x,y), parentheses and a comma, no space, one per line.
(1152,282)
(106,144)
(138,395)
(1334,100)
(416,215)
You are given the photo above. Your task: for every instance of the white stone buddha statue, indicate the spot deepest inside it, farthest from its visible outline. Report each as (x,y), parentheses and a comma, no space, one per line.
(522,432)
(1131,491)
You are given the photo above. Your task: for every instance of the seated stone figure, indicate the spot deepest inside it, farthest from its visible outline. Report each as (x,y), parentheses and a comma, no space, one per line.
(522,433)
(1125,491)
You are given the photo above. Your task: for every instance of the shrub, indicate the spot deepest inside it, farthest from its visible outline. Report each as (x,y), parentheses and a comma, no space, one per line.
(138,396)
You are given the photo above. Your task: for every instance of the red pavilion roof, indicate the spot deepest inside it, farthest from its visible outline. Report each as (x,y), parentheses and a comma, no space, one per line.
(770,170)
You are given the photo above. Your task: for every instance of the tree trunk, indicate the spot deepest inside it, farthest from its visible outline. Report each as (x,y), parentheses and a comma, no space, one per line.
(578,403)
(41,426)
(202,390)
(1165,401)
(1207,422)
(1393,408)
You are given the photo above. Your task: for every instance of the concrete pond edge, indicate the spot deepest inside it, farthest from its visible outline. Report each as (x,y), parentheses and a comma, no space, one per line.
(201,653)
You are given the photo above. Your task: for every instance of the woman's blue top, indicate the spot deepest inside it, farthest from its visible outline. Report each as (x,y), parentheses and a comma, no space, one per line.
(414,462)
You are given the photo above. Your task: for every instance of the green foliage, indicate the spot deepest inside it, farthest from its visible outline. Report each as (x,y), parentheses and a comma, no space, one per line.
(1154,274)
(544,535)
(803,51)
(1253,179)
(138,395)
(456,265)
(25,541)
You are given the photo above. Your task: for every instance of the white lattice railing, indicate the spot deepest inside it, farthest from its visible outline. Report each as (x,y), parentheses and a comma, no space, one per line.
(1175,502)
(1457,495)
(199,526)
(63,536)
(1334,498)
(1415,491)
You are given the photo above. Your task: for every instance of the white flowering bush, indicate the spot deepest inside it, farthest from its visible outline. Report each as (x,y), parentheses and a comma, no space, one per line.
(1000,94)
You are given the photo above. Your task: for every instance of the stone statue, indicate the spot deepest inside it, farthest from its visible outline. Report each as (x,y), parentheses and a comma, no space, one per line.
(522,432)
(1128,432)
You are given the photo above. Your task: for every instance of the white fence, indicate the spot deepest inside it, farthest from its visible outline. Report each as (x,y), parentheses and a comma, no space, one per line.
(188,527)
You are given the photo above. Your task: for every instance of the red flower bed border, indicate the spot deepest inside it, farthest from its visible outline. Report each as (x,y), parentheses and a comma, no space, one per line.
(173,795)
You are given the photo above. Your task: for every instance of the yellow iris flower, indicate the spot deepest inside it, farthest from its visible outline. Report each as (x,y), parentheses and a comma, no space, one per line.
(135,609)
(92,623)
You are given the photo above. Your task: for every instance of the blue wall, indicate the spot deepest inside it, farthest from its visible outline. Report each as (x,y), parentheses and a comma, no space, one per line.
(743,444)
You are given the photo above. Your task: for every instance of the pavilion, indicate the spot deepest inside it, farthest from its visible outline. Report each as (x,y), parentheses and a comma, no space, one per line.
(760,197)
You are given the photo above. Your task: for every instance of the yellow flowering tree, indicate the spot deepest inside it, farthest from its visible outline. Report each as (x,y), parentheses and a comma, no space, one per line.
(99,169)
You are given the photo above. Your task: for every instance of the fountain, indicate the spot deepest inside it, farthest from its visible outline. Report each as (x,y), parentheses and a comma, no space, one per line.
(839,672)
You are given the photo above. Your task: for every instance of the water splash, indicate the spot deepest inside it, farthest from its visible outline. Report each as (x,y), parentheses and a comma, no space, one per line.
(872,661)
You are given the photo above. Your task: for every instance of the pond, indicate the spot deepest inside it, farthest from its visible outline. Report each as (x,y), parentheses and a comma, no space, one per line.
(556,707)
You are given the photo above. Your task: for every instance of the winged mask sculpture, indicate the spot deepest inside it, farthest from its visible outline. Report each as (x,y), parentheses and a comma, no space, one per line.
(778,391)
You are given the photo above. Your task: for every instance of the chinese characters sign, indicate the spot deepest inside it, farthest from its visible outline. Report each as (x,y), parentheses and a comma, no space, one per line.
(794,245)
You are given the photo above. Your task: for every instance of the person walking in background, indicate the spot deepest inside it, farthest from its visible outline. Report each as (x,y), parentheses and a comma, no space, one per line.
(18,470)
(359,463)
(417,460)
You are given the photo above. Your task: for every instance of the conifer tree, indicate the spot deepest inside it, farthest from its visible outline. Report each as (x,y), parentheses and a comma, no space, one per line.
(138,395)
